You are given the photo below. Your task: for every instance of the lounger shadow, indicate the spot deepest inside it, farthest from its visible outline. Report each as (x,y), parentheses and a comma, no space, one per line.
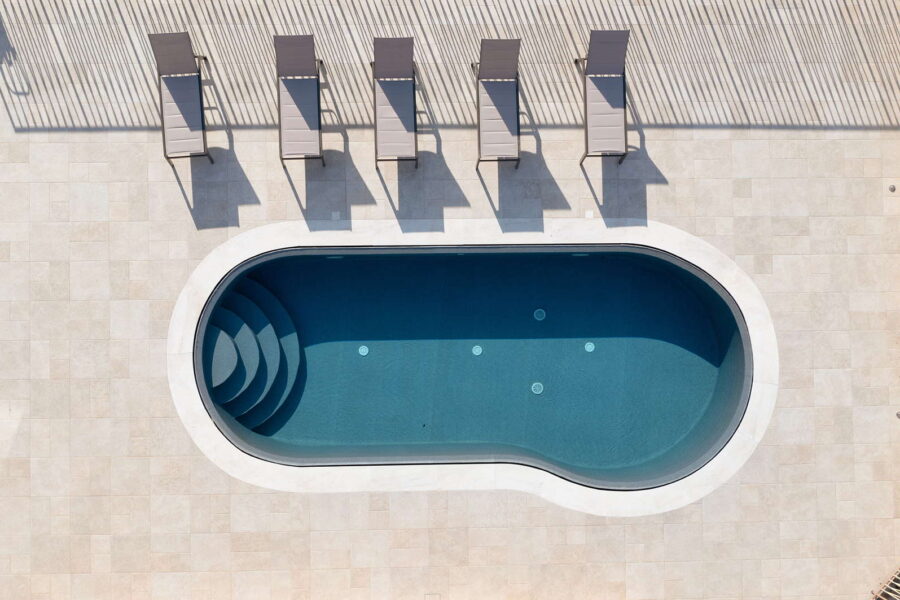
(180,88)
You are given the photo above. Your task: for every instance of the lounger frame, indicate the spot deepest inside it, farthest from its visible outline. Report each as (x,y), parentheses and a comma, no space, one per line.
(320,68)
(581,63)
(498,159)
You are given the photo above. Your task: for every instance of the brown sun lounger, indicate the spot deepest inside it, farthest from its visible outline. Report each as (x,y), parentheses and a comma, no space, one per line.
(180,95)
(299,97)
(394,98)
(605,130)
(497,94)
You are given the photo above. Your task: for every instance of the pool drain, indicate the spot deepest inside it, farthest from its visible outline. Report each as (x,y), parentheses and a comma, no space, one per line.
(477,350)
(537,387)
(363,350)
(589,347)
(540,314)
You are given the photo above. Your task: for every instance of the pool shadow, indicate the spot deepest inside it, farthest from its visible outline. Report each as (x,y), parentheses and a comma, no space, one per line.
(647,287)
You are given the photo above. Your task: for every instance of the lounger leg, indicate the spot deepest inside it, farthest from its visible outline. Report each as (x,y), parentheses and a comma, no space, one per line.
(477,164)
(581,162)
(621,158)
(417,162)
(517,163)
(209,156)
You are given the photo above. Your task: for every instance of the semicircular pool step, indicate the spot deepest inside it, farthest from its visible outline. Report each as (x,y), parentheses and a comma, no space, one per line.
(269,350)
(283,388)
(225,360)
(247,349)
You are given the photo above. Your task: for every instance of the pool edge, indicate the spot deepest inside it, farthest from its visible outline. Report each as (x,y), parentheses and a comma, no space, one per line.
(475,476)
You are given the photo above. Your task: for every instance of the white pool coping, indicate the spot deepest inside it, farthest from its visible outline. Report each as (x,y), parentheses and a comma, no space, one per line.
(431,477)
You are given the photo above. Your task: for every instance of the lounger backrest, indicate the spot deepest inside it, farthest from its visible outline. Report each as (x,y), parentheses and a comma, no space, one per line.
(181,96)
(395,107)
(606,52)
(499,59)
(394,58)
(298,96)
(498,99)
(174,54)
(604,93)
(295,56)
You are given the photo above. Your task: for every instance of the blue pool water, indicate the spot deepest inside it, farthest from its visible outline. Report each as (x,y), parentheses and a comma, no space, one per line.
(616,368)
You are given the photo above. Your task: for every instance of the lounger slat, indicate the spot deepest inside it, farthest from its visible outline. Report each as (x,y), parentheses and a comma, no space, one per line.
(182,115)
(299,118)
(395,118)
(605,104)
(498,119)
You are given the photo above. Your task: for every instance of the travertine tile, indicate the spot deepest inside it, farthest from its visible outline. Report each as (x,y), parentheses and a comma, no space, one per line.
(747,130)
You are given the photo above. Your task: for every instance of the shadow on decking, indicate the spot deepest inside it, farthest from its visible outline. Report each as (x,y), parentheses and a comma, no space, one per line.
(821,64)
(816,65)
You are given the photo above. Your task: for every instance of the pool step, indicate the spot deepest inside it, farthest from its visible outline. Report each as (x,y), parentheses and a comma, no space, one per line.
(220,345)
(278,395)
(247,349)
(253,353)
(269,351)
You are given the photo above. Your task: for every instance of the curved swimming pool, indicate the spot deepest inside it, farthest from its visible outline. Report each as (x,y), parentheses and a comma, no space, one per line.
(616,367)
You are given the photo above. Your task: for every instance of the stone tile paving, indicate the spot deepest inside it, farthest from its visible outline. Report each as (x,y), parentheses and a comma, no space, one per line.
(768,129)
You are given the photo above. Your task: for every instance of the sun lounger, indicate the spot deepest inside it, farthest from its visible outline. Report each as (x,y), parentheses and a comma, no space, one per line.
(497,93)
(180,95)
(299,98)
(394,97)
(605,131)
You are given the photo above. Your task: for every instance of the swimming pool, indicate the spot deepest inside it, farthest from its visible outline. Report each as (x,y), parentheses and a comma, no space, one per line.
(615,367)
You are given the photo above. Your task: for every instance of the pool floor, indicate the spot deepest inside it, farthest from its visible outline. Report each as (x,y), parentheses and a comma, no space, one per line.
(597,362)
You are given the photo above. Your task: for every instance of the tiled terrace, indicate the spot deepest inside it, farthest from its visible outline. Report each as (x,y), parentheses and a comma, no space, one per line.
(769,129)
